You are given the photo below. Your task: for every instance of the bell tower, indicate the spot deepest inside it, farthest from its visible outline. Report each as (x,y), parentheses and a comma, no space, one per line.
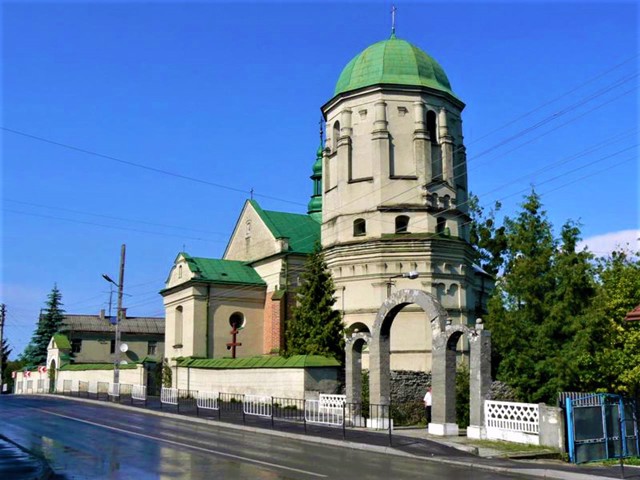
(394,192)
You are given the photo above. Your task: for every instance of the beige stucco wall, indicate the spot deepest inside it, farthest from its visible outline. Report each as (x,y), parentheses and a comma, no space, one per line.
(251,239)
(128,376)
(276,382)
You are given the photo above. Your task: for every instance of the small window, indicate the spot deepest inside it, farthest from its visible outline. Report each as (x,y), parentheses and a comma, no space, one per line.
(237,320)
(177,339)
(152,347)
(431,125)
(442,224)
(180,271)
(359,227)
(76,345)
(402,224)
(112,349)
(336,135)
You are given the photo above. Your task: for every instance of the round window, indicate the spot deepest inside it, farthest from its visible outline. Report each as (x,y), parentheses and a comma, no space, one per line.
(237,320)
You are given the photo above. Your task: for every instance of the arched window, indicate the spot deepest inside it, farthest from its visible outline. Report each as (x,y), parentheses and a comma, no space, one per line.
(431,125)
(434,200)
(336,135)
(179,271)
(359,227)
(178,330)
(446,202)
(441,225)
(402,224)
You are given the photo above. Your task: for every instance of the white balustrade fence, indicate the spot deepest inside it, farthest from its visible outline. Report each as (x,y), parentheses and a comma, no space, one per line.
(511,421)
(208,400)
(257,405)
(114,389)
(169,396)
(139,392)
(332,402)
(317,412)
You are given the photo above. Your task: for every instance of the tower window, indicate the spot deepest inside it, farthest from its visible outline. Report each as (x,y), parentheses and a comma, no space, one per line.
(178,329)
(402,224)
(336,135)
(441,225)
(359,227)
(431,125)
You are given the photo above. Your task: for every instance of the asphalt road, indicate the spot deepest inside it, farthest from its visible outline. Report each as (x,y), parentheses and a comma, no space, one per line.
(82,440)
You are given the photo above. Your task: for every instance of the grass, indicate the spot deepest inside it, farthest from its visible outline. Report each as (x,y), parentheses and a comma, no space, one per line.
(509,446)
(626,461)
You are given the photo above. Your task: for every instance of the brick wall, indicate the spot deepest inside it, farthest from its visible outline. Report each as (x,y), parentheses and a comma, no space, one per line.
(273,324)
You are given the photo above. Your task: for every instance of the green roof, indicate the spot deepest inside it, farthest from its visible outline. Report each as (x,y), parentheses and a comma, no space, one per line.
(223,271)
(295,361)
(96,366)
(302,231)
(62,342)
(396,62)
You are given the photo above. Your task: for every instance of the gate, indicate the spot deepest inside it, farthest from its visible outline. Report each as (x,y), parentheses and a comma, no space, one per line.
(601,426)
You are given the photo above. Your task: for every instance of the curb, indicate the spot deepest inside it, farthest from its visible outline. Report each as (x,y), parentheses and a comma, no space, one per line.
(546,473)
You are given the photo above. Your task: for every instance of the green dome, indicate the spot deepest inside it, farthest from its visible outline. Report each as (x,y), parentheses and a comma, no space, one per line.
(392,61)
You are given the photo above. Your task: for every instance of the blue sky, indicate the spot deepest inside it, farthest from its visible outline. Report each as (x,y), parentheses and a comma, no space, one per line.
(230,94)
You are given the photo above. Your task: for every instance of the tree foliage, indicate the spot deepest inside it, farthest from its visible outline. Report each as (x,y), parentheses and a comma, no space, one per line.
(49,323)
(315,327)
(544,284)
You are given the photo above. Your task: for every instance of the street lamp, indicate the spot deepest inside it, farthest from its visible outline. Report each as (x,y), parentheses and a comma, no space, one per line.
(411,275)
(120,285)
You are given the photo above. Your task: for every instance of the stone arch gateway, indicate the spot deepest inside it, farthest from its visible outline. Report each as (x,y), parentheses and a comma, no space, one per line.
(445,337)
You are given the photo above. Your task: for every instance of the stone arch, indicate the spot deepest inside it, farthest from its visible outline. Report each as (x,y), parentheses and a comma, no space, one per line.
(445,337)
(353,365)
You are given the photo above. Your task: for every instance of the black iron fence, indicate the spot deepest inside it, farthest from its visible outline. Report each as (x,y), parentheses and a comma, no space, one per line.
(341,419)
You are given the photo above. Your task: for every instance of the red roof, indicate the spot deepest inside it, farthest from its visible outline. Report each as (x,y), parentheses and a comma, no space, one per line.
(633,315)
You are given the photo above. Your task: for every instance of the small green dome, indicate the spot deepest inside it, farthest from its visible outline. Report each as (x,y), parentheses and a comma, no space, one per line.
(392,61)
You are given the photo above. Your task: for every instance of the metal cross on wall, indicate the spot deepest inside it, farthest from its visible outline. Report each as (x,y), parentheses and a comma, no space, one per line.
(234,343)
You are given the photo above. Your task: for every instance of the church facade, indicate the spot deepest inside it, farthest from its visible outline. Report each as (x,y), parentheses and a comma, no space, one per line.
(389,207)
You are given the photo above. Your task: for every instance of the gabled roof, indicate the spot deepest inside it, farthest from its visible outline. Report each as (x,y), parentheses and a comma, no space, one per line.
(295,361)
(633,315)
(95,323)
(222,271)
(61,341)
(301,230)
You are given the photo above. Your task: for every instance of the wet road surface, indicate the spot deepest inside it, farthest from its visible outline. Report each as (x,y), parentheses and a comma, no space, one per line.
(82,440)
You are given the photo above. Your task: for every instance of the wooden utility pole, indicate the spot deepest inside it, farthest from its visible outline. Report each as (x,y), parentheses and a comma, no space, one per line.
(3,312)
(116,367)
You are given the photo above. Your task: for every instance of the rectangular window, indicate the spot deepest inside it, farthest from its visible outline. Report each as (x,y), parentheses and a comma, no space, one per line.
(113,347)
(76,345)
(152,348)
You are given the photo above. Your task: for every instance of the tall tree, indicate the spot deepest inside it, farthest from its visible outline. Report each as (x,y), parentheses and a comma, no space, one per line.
(488,239)
(606,348)
(315,327)
(49,323)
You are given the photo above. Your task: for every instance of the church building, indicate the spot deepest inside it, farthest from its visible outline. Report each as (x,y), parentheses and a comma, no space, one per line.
(389,206)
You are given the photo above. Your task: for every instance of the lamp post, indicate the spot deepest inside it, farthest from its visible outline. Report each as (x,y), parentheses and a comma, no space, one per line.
(120,284)
(411,275)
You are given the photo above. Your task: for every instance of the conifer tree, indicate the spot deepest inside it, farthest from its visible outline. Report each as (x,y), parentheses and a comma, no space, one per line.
(49,323)
(315,327)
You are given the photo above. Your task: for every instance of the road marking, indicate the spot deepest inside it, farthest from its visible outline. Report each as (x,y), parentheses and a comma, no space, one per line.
(202,449)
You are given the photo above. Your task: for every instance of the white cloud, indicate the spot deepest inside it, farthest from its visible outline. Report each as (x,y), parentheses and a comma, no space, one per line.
(604,244)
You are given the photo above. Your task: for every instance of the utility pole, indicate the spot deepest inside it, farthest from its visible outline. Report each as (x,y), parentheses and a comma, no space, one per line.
(119,313)
(3,311)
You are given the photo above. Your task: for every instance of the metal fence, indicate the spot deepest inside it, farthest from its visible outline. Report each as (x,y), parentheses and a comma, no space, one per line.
(329,414)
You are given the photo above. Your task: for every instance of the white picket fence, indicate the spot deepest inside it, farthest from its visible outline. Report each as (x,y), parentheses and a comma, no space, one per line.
(208,400)
(257,405)
(139,392)
(169,396)
(512,421)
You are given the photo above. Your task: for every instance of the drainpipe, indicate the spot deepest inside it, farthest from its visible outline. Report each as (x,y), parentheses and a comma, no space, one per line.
(206,350)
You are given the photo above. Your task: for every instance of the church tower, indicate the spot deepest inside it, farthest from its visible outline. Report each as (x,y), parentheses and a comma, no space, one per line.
(394,194)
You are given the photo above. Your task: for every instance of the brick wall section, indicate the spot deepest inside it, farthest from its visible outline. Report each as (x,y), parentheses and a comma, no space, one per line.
(273,319)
